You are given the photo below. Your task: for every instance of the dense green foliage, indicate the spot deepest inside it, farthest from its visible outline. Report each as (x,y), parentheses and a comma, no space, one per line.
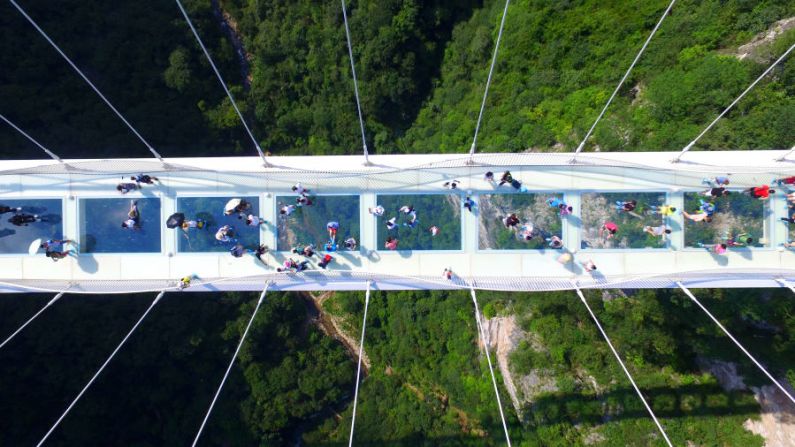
(426,385)
(302,89)
(660,339)
(560,61)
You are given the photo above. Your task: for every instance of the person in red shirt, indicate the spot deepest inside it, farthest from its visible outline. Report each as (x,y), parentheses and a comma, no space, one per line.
(609,228)
(325,261)
(784,181)
(760,192)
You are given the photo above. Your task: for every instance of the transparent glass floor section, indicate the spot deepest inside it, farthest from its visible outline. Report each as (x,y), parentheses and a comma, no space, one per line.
(17,239)
(598,208)
(211,211)
(735,214)
(440,210)
(529,208)
(307,224)
(101,231)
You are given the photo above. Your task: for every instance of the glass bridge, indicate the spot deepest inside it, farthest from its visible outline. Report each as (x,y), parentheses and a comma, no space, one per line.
(547,249)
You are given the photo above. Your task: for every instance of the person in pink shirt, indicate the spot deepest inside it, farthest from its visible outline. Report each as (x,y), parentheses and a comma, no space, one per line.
(718,249)
(391,243)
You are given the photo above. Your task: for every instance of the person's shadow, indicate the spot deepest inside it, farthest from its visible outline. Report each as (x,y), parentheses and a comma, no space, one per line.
(87,263)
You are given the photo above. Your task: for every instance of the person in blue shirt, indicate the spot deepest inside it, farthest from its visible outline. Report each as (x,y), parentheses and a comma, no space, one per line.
(469,203)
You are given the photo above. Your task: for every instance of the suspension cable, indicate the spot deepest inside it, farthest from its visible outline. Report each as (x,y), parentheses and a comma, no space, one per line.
(355,83)
(85,78)
(231,363)
(736,100)
(786,154)
(221,80)
(488,82)
(52,301)
(359,367)
(32,140)
(626,75)
(759,365)
(484,340)
(786,284)
(101,368)
(621,362)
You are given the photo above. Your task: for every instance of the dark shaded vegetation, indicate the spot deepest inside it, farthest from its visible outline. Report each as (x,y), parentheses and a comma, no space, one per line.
(156,390)
(141,56)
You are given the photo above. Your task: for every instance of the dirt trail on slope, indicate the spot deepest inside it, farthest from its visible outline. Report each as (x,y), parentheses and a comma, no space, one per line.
(332,326)
(230,27)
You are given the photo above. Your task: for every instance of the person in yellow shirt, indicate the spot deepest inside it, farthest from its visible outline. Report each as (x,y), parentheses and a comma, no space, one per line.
(662,210)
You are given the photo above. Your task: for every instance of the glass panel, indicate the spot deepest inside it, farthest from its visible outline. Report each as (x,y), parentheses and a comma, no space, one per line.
(307,224)
(47,225)
(208,212)
(532,211)
(601,210)
(101,228)
(440,210)
(737,215)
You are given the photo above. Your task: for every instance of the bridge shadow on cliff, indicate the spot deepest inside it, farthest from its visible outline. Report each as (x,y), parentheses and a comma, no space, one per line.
(695,400)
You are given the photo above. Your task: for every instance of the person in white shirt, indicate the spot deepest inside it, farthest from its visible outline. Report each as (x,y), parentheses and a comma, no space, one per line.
(299,189)
(662,230)
(133,221)
(254,221)
(286,210)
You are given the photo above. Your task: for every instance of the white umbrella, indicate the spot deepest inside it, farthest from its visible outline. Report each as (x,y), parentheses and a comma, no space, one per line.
(34,246)
(230,206)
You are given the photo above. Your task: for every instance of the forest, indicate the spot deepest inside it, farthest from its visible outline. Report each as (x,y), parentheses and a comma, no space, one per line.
(422,66)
